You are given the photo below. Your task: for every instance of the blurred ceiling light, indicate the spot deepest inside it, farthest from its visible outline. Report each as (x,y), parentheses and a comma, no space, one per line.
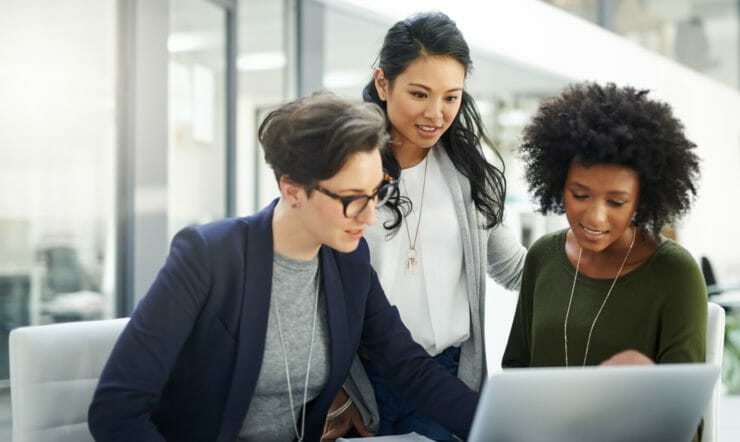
(346,79)
(190,41)
(260,61)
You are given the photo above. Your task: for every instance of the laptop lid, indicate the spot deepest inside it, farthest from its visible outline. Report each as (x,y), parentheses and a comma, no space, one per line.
(661,402)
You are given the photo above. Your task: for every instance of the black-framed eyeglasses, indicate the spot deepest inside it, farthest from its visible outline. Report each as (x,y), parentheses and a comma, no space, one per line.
(353,205)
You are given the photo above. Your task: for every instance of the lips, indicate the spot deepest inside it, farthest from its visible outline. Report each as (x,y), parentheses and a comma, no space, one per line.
(356,233)
(593,234)
(427,131)
(593,231)
(427,128)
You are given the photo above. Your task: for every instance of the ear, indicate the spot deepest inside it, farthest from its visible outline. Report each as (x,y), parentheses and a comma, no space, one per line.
(291,192)
(381,84)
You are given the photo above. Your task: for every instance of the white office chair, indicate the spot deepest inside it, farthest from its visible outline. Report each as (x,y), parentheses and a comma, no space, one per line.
(54,370)
(715,348)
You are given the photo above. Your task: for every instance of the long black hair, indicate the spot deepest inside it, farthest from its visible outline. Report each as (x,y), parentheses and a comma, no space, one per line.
(434,33)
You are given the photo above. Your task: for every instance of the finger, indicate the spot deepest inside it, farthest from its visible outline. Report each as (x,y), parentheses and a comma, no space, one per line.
(360,425)
(336,428)
(333,433)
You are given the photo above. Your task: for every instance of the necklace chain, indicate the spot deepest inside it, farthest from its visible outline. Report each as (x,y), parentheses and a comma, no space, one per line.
(603,303)
(298,435)
(412,259)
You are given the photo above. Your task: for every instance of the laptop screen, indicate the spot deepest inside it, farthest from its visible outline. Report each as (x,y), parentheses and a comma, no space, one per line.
(662,402)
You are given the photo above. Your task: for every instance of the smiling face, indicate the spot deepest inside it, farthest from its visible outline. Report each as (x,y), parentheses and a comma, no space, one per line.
(422,101)
(599,203)
(323,217)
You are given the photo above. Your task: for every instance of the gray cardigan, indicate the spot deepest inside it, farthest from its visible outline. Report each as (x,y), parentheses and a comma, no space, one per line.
(495,252)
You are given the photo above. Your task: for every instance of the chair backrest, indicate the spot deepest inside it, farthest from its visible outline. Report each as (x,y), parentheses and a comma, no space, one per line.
(715,348)
(54,370)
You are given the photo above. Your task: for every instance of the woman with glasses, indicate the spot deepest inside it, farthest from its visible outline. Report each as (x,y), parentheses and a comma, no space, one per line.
(433,261)
(251,326)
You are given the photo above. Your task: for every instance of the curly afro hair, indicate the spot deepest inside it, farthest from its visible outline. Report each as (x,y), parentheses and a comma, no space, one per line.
(593,124)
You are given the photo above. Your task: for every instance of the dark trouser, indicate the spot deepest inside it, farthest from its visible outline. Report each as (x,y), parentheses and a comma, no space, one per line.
(400,417)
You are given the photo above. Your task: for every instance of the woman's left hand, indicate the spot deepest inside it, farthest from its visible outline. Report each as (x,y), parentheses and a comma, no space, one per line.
(339,425)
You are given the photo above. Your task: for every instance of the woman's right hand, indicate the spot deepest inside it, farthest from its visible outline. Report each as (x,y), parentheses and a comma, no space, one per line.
(339,425)
(628,357)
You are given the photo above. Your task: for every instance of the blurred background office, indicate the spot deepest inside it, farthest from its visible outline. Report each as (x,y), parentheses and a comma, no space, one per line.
(122,121)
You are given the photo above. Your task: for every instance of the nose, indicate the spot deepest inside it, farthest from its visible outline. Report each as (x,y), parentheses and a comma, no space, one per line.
(433,110)
(367,215)
(596,215)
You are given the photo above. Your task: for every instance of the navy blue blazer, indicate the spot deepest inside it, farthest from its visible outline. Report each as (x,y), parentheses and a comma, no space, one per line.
(186,365)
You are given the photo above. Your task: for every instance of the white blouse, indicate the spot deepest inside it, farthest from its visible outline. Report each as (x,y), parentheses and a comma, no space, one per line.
(431,295)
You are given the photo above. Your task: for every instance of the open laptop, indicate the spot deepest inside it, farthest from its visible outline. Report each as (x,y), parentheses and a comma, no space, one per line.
(662,402)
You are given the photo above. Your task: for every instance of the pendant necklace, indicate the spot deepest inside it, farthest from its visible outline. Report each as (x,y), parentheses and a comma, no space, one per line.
(603,303)
(411,256)
(299,435)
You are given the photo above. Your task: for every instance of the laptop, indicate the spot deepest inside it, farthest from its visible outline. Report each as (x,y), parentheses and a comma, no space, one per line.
(662,402)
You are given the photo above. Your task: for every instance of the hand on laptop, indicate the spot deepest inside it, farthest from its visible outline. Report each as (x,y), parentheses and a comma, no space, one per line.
(339,425)
(628,357)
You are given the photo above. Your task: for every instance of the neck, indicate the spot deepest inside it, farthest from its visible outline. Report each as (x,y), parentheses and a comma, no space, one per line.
(409,155)
(289,235)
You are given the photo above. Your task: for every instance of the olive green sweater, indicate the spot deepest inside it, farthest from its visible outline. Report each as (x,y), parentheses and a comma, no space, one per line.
(659,309)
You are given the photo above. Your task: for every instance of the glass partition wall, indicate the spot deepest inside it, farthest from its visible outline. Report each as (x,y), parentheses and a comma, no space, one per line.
(196,157)
(57,172)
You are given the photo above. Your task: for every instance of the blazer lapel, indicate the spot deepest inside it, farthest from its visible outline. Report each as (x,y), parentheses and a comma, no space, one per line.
(255,309)
(336,311)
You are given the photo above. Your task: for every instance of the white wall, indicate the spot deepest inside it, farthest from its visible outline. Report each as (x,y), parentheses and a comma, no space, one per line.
(535,34)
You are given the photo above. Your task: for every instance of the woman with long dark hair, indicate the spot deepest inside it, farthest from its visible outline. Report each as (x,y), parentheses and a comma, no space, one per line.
(432,260)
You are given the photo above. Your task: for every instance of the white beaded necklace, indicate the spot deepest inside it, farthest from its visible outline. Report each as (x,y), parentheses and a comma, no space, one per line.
(603,303)
(299,436)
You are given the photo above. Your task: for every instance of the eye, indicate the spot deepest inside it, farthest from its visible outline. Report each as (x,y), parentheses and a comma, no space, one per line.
(452,98)
(419,94)
(614,203)
(579,196)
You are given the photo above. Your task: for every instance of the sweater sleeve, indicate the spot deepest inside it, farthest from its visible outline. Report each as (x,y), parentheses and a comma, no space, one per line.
(683,321)
(505,257)
(517,351)
(360,390)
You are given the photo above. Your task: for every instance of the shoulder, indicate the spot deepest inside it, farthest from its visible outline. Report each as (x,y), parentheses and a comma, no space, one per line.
(677,271)
(234,233)
(440,156)
(548,244)
(671,257)
(225,234)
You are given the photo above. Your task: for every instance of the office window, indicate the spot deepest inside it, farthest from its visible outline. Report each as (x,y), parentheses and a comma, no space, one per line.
(197,153)
(263,66)
(57,162)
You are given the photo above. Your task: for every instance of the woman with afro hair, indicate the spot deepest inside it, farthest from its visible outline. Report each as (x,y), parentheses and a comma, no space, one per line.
(609,289)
